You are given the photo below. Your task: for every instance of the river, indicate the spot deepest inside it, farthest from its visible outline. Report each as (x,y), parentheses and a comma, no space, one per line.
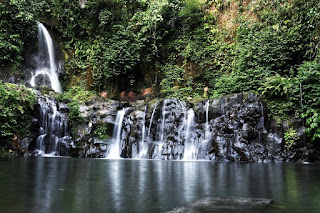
(100,185)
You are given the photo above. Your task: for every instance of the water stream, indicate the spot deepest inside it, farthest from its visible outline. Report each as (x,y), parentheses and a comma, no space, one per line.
(151,120)
(46,72)
(207,132)
(143,145)
(53,136)
(115,148)
(190,145)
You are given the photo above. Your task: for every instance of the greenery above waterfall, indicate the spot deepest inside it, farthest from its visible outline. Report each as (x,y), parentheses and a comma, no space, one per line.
(179,47)
(16,27)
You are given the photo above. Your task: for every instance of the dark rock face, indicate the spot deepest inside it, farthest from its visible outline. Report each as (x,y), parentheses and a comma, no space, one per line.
(228,204)
(238,132)
(234,128)
(98,114)
(7,75)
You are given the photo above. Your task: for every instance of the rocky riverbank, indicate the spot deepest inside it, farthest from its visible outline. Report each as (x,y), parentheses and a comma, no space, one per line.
(234,128)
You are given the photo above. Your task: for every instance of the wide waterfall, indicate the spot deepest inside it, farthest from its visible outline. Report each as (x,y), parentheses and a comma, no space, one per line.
(227,129)
(155,136)
(46,71)
(53,137)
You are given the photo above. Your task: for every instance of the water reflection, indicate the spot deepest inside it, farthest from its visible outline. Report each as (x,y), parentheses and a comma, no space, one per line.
(91,185)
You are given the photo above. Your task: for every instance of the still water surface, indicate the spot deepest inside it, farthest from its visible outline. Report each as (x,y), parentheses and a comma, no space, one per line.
(96,185)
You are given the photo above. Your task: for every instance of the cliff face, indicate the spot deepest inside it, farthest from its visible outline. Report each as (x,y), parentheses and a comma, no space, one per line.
(233,128)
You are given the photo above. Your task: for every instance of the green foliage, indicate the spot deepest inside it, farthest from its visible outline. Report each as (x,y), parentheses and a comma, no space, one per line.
(145,24)
(270,48)
(180,47)
(290,137)
(77,94)
(312,124)
(309,77)
(74,116)
(173,76)
(309,96)
(118,56)
(74,97)
(277,87)
(16,105)
(16,26)
(101,132)
(173,84)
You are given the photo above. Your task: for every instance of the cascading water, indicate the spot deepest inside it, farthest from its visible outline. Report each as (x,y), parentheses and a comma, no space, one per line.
(190,145)
(46,72)
(115,148)
(261,123)
(143,145)
(220,130)
(152,116)
(207,131)
(161,142)
(53,136)
(163,120)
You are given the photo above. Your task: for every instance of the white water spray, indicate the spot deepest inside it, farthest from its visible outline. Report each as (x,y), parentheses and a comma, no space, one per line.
(190,146)
(53,132)
(115,150)
(151,120)
(163,120)
(143,145)
(46,71)
(207,131)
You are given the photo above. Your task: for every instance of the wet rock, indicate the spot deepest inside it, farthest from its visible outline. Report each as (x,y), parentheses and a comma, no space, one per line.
(25,142)
(233,128)
(63,107)
(228,204)
(51,126)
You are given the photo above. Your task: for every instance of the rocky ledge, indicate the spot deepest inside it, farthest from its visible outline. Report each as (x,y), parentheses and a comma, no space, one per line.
(234,128)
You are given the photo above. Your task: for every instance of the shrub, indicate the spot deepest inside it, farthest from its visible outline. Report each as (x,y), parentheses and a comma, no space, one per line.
(16,105)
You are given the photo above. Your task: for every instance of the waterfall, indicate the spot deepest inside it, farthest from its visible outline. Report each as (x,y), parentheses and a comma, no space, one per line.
(163,120)
(143,145)
(151,120)
(46,69)
(262,123)
(161,142)
(53,135)
(207,130)
(190,146)
(301,103)
(176,130)
(115,149)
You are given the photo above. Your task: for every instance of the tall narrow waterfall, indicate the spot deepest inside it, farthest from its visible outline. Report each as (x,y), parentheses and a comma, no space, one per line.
(162,129)
(115,148)
(207,131)
(143,145)
(53,133)
(152,116)
(46,69)
(190,145)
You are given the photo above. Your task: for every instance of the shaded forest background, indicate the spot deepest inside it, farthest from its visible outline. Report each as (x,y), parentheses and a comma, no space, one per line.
(176,47)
